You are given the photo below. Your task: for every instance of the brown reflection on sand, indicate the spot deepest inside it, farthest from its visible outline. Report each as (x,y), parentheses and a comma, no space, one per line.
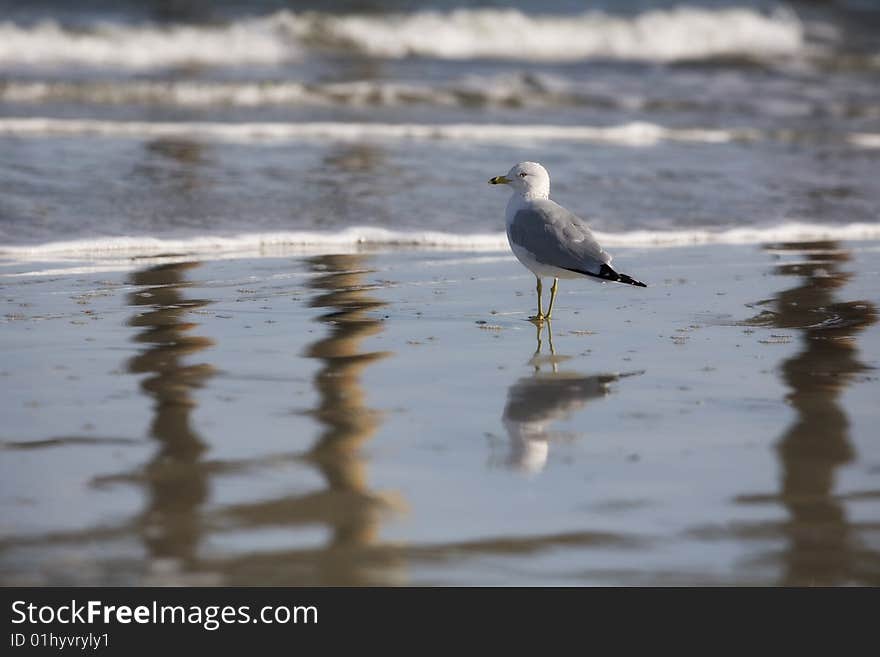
(822,544)
(342,410)
(176,478)
(347,506)
(176,484)
(535,403)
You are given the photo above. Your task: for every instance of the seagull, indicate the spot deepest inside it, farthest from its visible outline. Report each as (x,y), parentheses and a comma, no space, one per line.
(548,239)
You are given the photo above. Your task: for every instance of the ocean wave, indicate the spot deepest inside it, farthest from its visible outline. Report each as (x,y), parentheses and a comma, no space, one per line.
(506,90)
(684,33)
(369,238)
(512,90)
(628,134)
(635,133)
(109,45)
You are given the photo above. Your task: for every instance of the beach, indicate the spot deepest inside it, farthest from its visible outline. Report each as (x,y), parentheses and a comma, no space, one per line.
(260,323)
(391,418)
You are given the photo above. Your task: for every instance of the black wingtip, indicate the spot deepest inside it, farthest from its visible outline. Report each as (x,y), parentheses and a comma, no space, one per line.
(606,273)
(630,281)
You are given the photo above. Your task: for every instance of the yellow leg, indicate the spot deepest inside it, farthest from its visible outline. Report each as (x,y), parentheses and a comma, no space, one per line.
(538,327)
(540,316)
(552,297)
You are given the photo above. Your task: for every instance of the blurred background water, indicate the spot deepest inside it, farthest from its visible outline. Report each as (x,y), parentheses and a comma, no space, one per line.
(190,118)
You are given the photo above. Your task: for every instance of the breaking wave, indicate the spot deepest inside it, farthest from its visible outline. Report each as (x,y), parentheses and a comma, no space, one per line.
(684,33)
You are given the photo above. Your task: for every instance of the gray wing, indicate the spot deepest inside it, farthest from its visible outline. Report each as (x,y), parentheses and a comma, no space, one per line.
(532,399)
(555,236)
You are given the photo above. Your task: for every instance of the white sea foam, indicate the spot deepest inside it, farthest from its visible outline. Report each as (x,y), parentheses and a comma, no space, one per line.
(684,33)
(630,134)
(255,243)
(133,249)
(635,133)
(865,140)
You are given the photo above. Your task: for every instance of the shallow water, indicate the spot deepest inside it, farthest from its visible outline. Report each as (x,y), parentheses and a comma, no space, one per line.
(392,419)
(195,121)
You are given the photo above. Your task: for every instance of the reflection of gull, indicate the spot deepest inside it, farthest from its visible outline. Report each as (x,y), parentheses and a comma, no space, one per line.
(535,402)
(548,239)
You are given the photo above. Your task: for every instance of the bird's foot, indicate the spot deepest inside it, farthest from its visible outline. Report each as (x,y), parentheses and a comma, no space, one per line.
(538,319)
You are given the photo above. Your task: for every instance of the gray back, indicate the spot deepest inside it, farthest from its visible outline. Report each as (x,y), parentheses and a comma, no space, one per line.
(555,236)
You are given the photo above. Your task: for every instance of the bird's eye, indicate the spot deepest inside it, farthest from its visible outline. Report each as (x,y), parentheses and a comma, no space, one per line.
(523,174)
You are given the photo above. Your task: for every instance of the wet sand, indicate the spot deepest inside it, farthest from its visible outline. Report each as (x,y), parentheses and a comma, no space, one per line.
(393,419)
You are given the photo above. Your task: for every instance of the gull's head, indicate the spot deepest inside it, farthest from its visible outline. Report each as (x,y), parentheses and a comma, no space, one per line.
(529,179)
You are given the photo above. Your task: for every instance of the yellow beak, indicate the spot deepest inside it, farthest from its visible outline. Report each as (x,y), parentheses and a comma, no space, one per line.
(499,180)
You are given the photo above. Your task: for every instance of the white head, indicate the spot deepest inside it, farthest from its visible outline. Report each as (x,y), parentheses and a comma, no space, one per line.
(529,179)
